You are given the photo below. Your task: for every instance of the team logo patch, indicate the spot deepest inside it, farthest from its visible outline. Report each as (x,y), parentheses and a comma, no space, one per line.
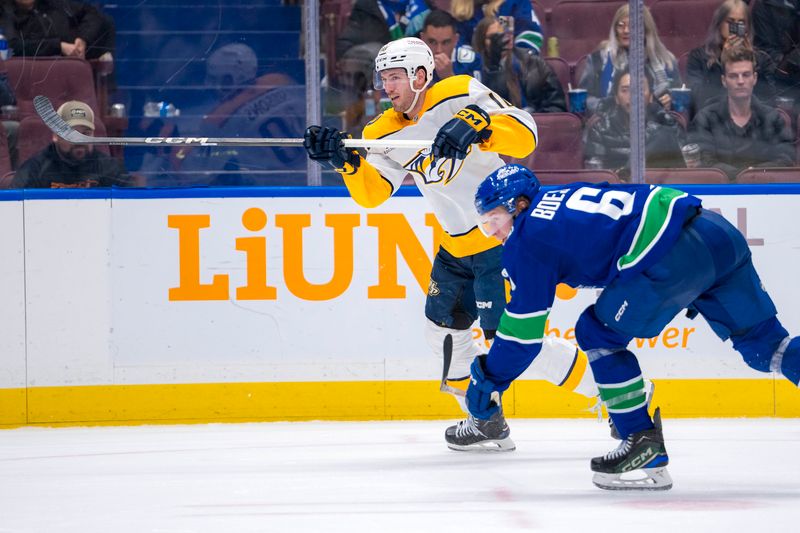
(432,170)
(465,54)
(433,289)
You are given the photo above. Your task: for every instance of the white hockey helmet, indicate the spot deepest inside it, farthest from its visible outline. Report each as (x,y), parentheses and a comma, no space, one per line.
(409,53)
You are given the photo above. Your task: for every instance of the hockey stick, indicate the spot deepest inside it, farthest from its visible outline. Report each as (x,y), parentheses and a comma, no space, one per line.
(44,108)
(447,350)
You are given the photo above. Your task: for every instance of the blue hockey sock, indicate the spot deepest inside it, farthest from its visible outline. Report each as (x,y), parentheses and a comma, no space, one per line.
(619,380)
(790,366)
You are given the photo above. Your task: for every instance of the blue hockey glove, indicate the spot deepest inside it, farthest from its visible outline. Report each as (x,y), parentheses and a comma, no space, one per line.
(466,127)
(479,393)
(325,146)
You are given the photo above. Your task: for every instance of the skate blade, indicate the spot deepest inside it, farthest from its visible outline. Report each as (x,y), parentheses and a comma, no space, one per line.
(642,479)
(499,445)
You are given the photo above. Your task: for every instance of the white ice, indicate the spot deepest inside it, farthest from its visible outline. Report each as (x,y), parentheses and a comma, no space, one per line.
(733,475)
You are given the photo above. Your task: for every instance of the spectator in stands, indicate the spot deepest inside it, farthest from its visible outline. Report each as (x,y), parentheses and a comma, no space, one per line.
(440,33)
(9,118)
(381,21)
(59,28)
(730,27)
(349,95)
(247,105)
(608,140)
(516,74)
(67,165)
(612,55)
(739,131)
(517,16)
(776,24)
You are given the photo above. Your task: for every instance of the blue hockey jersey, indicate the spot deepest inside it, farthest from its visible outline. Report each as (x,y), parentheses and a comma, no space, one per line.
(527,28)
(584,235)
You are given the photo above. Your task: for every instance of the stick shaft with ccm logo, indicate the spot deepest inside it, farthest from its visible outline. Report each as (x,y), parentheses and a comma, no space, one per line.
(44,108)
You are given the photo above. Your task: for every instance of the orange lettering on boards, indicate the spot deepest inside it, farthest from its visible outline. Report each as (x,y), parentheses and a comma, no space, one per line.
(255,219)
(189,286)
(293,255)
(670,338)
(394,235)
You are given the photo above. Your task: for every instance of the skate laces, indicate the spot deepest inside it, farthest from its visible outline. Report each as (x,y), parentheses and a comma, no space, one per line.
(467,427)
(622,449)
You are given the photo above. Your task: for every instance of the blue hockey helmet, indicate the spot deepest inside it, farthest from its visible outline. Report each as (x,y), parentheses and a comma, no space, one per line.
(503,186)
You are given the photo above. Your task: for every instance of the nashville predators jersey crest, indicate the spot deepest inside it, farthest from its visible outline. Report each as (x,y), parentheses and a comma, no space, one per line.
(423,167)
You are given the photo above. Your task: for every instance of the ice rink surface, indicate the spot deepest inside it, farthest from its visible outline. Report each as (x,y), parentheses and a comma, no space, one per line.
(732,475)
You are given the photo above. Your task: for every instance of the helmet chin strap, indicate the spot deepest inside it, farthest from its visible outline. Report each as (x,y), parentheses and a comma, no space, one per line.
(416,94)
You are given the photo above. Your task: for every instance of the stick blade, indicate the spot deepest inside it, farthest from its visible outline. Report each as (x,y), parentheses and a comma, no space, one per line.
(447,358)
(44,108)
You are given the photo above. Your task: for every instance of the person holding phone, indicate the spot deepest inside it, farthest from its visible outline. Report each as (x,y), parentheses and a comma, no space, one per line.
(517,17)
(518,75)
(730,28)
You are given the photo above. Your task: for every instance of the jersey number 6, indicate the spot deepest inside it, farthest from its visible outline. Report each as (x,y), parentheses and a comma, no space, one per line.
(611,203)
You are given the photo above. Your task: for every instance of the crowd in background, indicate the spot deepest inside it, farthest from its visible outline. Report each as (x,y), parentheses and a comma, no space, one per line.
(732,104)
(743,80)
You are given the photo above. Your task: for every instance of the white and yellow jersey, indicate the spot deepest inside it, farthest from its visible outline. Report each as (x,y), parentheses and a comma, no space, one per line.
(448,184)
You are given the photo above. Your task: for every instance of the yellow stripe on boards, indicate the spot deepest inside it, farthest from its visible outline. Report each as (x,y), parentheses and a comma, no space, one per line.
(12,407)
(364,400)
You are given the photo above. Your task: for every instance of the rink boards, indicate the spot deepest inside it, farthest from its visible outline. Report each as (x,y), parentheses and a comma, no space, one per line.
(293,304)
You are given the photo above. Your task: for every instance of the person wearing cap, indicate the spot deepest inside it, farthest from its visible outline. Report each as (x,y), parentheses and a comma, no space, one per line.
(466,127)
(66,165)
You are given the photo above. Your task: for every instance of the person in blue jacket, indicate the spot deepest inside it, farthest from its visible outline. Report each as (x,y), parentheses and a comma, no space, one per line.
(517,16)
(654,251)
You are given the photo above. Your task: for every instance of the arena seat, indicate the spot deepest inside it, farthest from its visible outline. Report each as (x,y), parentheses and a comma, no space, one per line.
(769,175)
(560,177)
(560,142)
(58,78)
(682,24)
(562,70)
(580,25)
(5,159)
(34,136)
(658,176)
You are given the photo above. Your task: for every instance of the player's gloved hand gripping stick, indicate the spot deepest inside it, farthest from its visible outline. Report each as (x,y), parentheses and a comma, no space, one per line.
(468,126)
(326,147)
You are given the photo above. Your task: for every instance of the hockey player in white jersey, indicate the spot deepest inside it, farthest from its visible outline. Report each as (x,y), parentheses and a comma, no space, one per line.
(470,127)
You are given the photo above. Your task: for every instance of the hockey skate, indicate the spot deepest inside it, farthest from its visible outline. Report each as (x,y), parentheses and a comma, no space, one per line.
(649,389)
(476,434)
(638,463)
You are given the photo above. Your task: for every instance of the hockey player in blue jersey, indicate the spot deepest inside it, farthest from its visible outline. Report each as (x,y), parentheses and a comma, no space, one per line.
(655,251)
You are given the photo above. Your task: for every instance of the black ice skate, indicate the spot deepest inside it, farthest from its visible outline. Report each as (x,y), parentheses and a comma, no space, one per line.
(649,389)
(638,463)
(476,434)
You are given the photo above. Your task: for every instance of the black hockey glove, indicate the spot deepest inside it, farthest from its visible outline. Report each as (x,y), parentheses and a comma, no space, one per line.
(466,127)
(325,146)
